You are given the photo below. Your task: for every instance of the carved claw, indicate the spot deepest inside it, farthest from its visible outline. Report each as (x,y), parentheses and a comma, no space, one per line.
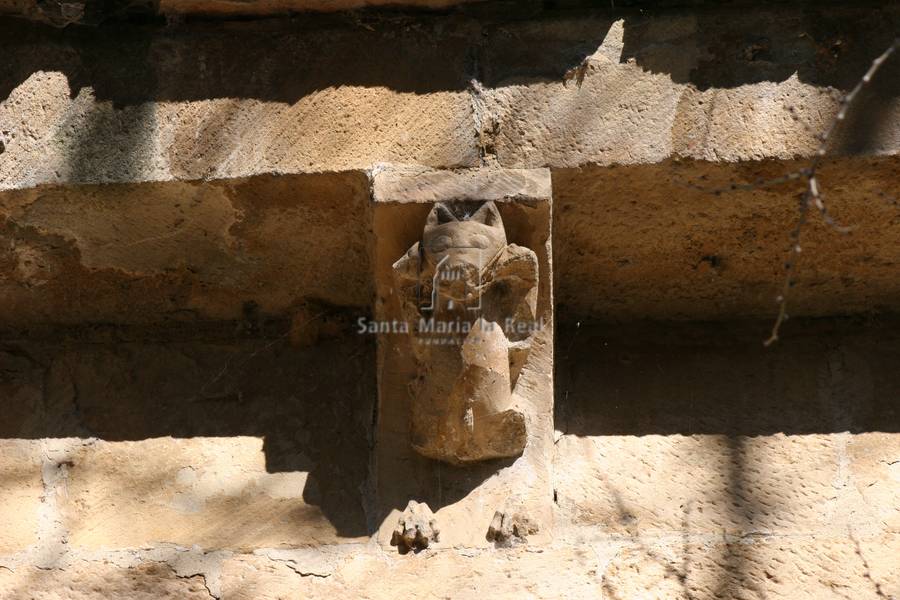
(416,528)
(508,529)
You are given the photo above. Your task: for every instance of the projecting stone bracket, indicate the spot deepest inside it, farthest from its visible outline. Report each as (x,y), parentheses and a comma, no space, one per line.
(465,291)
(464,315)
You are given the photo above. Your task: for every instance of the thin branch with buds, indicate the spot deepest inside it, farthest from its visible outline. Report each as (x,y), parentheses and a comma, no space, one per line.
(813,196)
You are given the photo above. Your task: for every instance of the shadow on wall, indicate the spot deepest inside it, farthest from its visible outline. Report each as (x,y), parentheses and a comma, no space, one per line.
(825,46)
(287,59)
(312,403)
(692,378)
(662,381)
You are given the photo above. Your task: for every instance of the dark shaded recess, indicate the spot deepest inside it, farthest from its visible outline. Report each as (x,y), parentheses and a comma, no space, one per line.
(830,45)
(62,13)
(284,59)
(311,404)
(273,60)
(825,376)
(135,69)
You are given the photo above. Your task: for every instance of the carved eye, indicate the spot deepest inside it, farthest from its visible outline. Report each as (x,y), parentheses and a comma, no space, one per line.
(441,243)
(479,241)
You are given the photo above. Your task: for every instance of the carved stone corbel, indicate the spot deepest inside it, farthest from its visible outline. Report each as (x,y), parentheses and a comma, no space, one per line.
(464,321)
(464,290)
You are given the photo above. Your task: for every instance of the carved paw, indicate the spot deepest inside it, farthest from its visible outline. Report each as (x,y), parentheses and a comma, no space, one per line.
(416,529)
(508,529)
(503,434)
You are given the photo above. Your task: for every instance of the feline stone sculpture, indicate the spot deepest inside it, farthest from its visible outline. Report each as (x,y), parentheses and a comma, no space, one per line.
(470,298)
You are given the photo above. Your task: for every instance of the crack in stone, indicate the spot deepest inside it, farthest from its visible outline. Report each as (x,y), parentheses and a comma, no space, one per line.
(290,559)
(292,565)
(200,575)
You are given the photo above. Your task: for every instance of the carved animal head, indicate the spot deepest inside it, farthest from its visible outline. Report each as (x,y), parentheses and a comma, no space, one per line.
(459,238)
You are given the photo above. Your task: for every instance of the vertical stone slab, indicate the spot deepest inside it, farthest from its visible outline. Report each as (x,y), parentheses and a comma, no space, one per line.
(464,319)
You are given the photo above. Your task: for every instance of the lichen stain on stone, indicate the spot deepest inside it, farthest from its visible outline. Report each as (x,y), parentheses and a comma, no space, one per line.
(128,252)
(141,231)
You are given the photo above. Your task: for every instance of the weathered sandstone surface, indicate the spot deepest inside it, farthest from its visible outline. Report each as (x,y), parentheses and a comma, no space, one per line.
(131,103)
(689,462)
(243,147)
(196,214)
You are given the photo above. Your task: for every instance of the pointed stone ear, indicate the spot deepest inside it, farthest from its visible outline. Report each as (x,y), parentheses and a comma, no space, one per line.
(488,214)
(439,215)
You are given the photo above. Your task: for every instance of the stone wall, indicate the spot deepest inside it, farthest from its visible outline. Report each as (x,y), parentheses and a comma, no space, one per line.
(186,212)
(213,100)
(689,463)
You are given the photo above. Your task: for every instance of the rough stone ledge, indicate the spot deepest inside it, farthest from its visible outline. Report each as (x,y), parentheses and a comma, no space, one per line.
(170,252)
(405,183)
(694,240)
(185,562)
(797,567)
(687,240)
(560,91)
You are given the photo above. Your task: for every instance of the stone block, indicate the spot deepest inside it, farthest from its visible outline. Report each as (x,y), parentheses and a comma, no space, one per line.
(215,493)
(21,492)
(710,484)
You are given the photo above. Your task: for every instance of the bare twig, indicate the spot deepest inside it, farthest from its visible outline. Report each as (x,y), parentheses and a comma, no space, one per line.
(789,267)
(813,196)
(748,187)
